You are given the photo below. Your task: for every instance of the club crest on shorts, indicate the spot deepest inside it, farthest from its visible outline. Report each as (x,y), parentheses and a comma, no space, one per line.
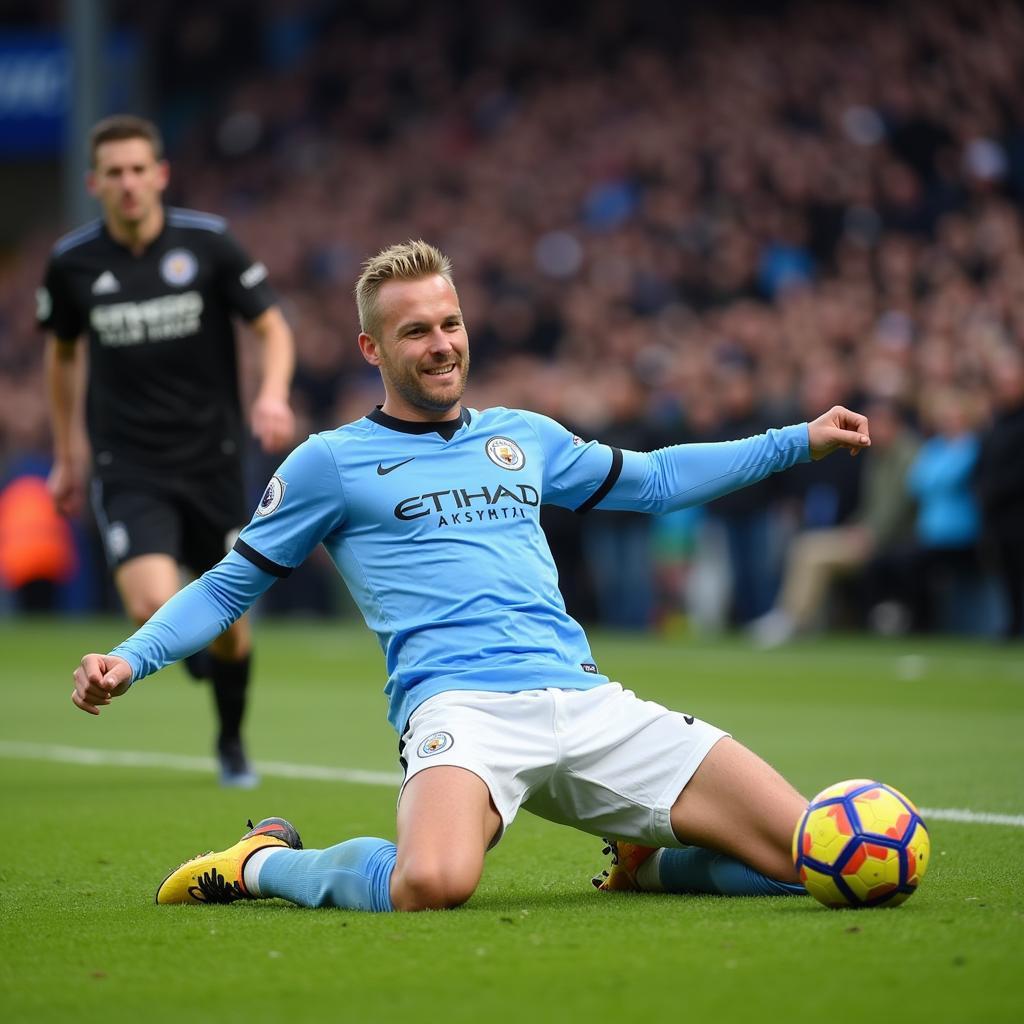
(117,540)
(504,452)
(435,743)
(178,267)
(272,496)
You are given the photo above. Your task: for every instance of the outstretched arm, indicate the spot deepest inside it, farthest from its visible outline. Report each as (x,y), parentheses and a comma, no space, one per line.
(691,474)
(585,475)
(185,624)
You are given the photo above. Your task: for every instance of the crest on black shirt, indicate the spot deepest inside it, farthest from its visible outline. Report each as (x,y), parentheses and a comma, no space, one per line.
(179,267)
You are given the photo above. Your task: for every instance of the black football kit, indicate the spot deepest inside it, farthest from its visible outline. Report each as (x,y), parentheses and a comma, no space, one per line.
(163,409)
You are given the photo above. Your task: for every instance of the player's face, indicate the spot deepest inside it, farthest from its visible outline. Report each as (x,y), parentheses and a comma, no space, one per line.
(423,348)
(128,181)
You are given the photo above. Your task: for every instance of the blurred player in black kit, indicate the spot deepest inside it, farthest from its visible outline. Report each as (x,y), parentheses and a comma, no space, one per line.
(154,291)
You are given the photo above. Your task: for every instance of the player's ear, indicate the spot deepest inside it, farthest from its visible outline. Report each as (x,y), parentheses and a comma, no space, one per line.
(91,182)
(163,174)
(368,346)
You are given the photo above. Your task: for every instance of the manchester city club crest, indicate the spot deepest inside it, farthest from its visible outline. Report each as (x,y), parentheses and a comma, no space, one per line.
(178,267)
(435,743)
(504,452)
(272,496)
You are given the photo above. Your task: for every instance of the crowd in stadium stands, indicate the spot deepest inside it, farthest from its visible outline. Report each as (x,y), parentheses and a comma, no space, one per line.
(665,229)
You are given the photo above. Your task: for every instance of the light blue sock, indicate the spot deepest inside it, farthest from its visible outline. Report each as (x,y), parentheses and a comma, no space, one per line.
(696,870)
(355,875)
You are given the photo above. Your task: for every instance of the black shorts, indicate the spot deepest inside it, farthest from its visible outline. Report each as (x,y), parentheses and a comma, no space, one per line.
(195,520)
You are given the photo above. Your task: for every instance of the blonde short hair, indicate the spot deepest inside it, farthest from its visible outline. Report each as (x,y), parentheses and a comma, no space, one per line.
(406,261)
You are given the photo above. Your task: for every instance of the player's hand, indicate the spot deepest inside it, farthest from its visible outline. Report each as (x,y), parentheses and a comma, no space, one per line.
(98,680)
(273,422)
(66,484)
(838,428)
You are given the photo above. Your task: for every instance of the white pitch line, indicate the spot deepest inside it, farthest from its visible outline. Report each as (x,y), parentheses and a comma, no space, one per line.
(970,817)
(184,763)
(53,752)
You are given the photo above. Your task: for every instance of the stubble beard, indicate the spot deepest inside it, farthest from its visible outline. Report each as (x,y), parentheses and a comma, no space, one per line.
(407,384)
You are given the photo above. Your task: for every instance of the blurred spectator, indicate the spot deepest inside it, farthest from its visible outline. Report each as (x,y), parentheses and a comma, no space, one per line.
(881,522)
(1000,484)
(937,576)
(823,495)
(948,522)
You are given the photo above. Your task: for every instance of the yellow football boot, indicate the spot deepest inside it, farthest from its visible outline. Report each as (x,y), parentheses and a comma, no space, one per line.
(626,861)
(218,877)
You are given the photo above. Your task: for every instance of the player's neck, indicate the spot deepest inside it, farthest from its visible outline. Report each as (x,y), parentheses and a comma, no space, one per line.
(137,235)
(411,414)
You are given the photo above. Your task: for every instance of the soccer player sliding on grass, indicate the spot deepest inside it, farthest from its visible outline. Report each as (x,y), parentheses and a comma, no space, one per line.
(430,511)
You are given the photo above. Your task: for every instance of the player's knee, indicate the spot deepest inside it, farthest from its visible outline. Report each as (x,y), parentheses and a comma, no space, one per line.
(430,885)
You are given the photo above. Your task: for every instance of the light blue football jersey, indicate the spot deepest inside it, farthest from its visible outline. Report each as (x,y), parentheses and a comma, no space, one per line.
(435,529)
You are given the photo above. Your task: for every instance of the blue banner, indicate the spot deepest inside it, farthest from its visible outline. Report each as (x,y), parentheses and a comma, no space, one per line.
(35,88)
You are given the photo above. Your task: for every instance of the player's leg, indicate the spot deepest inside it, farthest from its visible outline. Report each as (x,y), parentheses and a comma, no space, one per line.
(739,815)
(230,668)
(142,541)
(210,511)
(469,759)
(447,817)
(655,777)
(737,804)
(146,582)
(446,821)
(142,534)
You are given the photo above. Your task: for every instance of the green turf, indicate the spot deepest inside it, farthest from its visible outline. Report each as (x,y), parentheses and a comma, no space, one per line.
(85,846)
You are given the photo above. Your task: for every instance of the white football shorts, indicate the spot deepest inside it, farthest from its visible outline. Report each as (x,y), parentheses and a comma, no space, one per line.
(600,760)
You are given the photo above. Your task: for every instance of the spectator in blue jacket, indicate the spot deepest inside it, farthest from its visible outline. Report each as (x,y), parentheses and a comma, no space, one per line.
(948,523)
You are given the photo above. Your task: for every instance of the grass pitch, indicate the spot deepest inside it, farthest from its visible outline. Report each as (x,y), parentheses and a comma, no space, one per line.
(86,844)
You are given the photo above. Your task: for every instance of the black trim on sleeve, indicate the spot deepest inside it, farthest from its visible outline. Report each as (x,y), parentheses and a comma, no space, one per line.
(609,482)
(261,561)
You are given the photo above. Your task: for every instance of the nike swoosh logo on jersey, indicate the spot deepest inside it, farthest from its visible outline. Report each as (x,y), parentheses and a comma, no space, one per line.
(383,471)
